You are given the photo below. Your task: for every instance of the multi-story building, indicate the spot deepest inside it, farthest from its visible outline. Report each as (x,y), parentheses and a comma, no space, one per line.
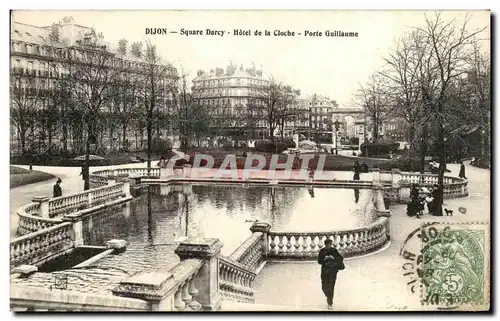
(38,67)
(229,95)
(322,109)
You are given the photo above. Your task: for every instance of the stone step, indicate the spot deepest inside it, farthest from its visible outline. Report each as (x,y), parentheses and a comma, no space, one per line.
(228,305)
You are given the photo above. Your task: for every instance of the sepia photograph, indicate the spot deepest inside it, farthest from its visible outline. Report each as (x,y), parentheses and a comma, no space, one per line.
(250,160)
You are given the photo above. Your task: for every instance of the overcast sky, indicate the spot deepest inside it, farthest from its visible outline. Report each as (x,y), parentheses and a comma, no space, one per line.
(322,65)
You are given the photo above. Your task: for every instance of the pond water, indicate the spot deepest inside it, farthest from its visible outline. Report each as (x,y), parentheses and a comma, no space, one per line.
(152,222)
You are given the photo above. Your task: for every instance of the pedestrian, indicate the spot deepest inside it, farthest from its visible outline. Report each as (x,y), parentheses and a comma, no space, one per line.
(461,174)
(83,173)
(357,170)
(162,163)
(331,262)
(57,188)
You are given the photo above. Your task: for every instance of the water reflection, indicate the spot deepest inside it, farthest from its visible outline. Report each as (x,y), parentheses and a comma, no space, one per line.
(152,222)
(356,195)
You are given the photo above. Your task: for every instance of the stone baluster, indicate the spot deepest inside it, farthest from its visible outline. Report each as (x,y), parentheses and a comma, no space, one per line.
(288,244)
(296,243)
(207,278)
(313,243)
(280,244)
(272,245)
(178,302)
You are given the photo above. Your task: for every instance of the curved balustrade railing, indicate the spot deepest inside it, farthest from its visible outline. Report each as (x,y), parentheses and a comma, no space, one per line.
(82,200)
(130,172)
(35,247)
(235,281)
(453,187)
(31,219)
(306,245)
(29,223)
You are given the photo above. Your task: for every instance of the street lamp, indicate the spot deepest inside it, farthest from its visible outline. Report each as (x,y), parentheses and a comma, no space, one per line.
(337,124)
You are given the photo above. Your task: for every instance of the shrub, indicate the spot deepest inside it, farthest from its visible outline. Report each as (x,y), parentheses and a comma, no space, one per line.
(278,146)
(378,148)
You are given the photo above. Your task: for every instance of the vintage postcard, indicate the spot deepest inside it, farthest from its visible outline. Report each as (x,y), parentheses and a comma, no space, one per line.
(247,160)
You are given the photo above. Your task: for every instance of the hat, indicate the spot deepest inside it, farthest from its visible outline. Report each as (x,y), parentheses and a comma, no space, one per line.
(328,241)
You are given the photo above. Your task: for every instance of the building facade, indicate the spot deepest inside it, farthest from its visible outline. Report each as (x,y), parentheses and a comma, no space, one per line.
(228,96)
(39,66)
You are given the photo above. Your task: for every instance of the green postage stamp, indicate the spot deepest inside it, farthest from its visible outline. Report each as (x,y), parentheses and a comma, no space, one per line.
(455,265)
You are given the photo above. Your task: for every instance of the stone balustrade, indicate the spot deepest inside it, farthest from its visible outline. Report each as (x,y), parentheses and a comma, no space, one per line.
(426,178)
(74,202)
(129,172)
(191,285)
(306,245)
(68,203)
(43,245)
(29,223)
(250,253)
(98,181)
(106,193)
(235,281)
(35,299)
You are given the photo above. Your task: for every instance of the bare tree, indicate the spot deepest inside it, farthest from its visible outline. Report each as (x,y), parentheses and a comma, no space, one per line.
(156,85)
(25,93)
(446,45)
(401,71)
(91,71)
(189,114)
(376,101)
(271,103)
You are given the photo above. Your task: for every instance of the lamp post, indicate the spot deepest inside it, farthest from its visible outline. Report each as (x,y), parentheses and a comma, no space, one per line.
(337,124)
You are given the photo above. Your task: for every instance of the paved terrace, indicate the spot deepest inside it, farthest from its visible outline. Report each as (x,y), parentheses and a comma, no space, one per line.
(374,282)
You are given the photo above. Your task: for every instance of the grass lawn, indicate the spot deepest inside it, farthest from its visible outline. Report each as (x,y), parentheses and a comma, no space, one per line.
(20,176)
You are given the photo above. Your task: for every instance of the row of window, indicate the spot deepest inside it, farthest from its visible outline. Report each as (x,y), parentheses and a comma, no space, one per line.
(55,52)
(228,82)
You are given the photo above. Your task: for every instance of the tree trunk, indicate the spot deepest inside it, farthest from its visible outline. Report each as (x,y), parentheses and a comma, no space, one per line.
(124,134)
(110,134)
(442,167)
(65,137)
(411,136)
(87,158)
(423,149)
(22,139)
(150,141)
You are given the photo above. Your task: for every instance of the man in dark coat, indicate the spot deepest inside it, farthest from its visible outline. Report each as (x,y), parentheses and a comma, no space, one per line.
(461,174)
(357,169)
(57,188)
(331,262)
